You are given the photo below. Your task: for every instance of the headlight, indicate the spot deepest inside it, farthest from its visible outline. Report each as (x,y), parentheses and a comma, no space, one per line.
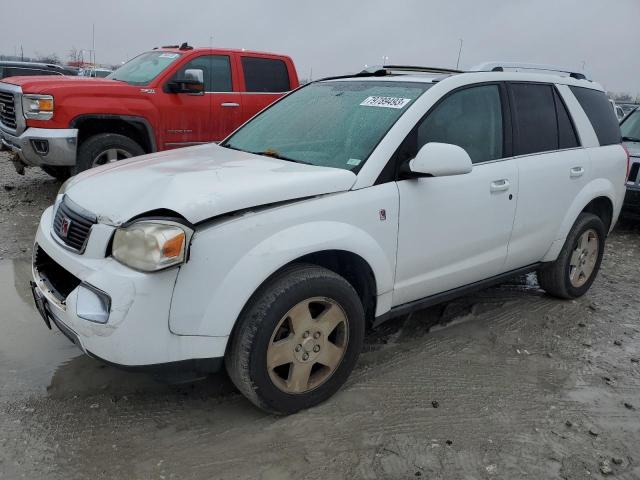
(37,107)
(151,245)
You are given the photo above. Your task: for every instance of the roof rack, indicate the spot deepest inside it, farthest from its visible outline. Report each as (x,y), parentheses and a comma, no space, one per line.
(501,66)
(382,70)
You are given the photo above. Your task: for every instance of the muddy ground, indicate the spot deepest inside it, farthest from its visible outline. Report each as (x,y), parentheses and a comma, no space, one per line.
(507,383)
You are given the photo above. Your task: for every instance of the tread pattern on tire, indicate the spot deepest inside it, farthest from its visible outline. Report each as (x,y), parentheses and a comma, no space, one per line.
(237,360)
(552,277)
(92,145)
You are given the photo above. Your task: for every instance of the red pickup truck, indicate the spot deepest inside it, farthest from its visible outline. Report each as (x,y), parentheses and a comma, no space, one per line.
(167,98)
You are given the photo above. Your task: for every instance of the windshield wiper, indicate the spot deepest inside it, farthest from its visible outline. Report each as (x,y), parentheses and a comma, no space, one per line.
(274,154)
(630,139)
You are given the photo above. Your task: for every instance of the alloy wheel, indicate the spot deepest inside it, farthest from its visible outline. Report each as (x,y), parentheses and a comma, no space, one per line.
(584,258)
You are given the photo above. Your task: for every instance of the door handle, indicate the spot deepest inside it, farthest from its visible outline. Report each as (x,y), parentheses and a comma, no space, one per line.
(576,172)
(229,104)
(500,185)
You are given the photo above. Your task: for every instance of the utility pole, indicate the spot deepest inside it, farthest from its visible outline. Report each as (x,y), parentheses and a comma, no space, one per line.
(21,54)
(93,43)
(459,53)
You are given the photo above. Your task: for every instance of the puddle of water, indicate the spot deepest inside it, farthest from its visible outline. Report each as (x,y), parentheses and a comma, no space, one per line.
(29,351)
(36,360)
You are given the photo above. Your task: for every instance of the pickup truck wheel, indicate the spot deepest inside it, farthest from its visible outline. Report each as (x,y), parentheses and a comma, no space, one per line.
(297,340)
(60,173)
(575,269)
(105,148)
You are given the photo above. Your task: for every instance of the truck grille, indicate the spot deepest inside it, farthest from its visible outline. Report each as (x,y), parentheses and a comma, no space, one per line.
(8,110)
(72,225)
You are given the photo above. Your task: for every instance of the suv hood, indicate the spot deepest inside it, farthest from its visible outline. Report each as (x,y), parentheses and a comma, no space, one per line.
(198,183)
(46,83)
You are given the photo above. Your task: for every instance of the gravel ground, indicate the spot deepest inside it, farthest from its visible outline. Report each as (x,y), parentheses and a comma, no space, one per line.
(506,383)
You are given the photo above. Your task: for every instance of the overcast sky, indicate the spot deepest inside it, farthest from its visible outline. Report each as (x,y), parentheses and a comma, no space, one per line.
(339,36)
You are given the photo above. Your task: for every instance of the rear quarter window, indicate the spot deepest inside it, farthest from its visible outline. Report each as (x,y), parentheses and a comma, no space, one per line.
(264,75)
(601,115)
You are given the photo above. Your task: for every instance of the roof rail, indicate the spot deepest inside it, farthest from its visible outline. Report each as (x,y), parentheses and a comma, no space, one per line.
(420,69)
(501,66)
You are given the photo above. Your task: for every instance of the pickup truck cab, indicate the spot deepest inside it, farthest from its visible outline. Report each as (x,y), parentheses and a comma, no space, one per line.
(166,98)
(345,203)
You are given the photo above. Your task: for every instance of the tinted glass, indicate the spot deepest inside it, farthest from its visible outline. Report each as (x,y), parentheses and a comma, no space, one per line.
(600,113)
(631,127)
(26,72)
(567,137)
(265,75)
(332,124)
(144,68)
(470,118)
(216,71)
(534,112)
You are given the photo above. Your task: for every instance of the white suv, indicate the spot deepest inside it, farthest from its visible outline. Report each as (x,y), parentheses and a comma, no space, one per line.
(347,202)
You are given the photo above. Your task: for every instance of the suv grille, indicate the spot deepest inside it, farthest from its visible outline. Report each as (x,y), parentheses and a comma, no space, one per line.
(72,225)
(7,110)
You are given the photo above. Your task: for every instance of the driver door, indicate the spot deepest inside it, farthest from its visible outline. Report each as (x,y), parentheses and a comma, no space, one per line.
(455,230)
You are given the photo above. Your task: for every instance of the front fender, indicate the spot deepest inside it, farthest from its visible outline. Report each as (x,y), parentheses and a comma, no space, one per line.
(230,261)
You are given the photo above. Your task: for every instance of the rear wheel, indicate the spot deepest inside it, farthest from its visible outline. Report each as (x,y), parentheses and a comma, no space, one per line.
(105,148)
(297,340)
(577,266)
(61,173)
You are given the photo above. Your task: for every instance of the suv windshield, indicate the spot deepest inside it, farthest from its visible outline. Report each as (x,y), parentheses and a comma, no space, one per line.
(332,123)
(630,128)
(144,68)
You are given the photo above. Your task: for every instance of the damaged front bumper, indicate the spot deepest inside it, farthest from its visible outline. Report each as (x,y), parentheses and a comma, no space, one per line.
(135,333)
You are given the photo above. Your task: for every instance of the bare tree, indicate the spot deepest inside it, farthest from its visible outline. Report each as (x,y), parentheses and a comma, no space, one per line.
(48,58)
(74,55)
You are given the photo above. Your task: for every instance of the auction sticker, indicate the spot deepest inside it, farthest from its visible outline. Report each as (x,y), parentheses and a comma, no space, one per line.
(385,102)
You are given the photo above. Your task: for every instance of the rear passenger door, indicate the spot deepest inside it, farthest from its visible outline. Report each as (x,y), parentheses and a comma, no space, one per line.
(552,169)
(265,80)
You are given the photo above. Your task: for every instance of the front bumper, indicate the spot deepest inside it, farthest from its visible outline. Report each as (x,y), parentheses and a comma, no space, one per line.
(43,146)
(136,334)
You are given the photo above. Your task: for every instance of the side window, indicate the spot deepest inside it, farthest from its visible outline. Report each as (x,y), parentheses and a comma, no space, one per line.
(534,112)
(265,75)
(26,72)
(601,115)
(216,71)
(567,137)
(470,118)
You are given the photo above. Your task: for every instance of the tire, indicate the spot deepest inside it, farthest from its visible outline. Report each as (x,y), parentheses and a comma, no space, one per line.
(561,278)
(267,322)
(60,173)
(105,148)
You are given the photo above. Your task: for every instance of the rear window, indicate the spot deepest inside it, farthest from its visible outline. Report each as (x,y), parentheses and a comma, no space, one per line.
(536,125)
(265,75)
(600,113)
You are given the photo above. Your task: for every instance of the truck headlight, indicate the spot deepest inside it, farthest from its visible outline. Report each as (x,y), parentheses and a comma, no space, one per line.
(37,107)
(151,245)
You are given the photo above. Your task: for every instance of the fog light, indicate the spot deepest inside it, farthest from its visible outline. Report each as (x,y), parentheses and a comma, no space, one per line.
(93,304)
(41,146)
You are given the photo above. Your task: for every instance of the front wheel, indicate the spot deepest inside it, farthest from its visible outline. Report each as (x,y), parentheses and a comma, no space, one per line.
(577,266)
(297,340)
(105,148)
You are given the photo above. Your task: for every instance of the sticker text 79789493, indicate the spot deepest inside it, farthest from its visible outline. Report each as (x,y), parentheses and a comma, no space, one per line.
(385,102)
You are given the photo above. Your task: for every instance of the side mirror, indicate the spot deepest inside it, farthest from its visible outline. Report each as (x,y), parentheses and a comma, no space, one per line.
(192,82)
(439,160)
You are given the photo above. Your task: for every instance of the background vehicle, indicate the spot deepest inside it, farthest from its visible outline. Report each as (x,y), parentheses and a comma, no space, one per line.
(617,109)
(22,69)
(166,98)
(348,202)
(95,72)
(630,128)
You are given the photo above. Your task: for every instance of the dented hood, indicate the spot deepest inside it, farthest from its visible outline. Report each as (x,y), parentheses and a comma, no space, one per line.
(199,183)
